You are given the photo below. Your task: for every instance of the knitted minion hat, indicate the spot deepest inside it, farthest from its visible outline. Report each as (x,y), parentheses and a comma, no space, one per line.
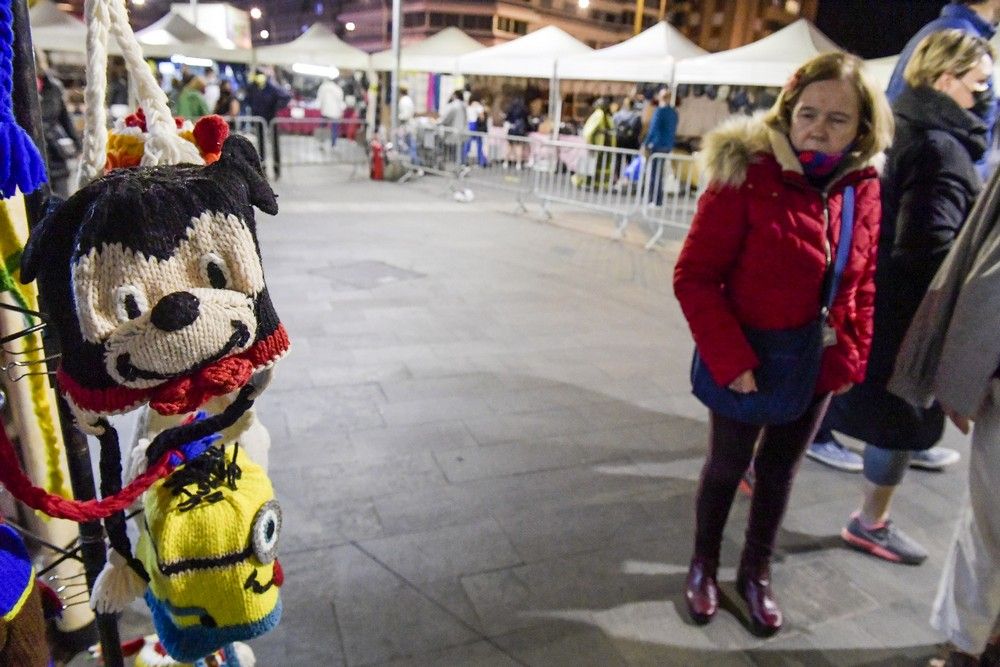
(153,279)
(209,543)
(22,624)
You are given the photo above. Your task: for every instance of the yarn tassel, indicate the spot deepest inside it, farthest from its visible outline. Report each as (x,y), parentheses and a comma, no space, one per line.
(21,165)
(116,586)
(243,654)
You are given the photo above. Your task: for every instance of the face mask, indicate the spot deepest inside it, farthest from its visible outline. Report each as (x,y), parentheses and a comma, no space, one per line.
(983,101)
(817,164)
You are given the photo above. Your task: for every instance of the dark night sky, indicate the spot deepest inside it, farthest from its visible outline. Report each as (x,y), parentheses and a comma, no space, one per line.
(874,28)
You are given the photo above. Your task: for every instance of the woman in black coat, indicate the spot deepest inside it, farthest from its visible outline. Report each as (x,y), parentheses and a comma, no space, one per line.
(928,188)
(62,143)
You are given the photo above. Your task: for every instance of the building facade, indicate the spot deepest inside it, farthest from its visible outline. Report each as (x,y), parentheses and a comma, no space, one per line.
(714,24)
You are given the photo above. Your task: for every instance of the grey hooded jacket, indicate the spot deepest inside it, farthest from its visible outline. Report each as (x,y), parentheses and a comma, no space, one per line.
(952,349)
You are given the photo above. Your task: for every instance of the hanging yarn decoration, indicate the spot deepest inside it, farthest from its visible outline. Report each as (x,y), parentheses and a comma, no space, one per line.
(31,352)
(162,145)
(21,165)
(154,283)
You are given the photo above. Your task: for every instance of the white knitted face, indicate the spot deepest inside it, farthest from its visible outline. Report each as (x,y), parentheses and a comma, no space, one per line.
(206,291)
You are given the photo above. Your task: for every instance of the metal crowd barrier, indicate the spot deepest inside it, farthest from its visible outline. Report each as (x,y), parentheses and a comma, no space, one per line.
(318,141)
(610,180)
(498,162)
(591,177)
(671,186)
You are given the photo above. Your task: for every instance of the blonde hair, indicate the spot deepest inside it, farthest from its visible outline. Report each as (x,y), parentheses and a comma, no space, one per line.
(875,123)
(949,51)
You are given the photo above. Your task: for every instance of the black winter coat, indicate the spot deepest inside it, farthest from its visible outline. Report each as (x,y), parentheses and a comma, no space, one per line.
(56,124)
(928,188)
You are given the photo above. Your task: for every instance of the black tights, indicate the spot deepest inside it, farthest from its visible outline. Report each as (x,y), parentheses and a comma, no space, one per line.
(731,450)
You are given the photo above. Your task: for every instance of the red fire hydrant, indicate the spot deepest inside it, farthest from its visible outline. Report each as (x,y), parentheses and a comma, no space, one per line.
(377,160)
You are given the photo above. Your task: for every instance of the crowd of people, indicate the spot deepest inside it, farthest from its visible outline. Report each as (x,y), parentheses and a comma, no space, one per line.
(824,295)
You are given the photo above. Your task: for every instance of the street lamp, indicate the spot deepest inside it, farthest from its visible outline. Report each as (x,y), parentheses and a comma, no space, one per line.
(255,13)
(349,26)
(583,4)
(264,34)
(138,3)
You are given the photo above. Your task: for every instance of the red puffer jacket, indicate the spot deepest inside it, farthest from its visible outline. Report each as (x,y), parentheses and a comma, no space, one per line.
(755,255)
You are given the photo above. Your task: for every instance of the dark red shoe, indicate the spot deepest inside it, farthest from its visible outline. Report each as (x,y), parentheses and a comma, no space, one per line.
(702,590)
(754,586)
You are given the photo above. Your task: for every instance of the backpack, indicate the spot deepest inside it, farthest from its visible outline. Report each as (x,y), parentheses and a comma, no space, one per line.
(629,130)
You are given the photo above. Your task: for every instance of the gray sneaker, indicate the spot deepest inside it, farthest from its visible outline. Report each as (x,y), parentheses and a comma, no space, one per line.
(832,453)
(885,541)
(935,458)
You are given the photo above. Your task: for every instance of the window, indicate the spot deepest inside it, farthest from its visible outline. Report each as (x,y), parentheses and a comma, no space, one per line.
(505,24)
(477,22)
(414,19)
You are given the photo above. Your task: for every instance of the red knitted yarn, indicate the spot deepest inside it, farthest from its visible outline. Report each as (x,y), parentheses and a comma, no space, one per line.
(58,507)
(187,393)
(181,394)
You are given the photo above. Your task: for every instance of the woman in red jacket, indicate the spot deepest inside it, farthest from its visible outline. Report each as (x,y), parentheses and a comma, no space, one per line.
(765,231)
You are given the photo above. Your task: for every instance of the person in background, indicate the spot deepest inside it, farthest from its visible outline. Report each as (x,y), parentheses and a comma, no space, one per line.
(598,130)
(978,18)
(516,119)
(191,103)
(660,139)
(475,115)
(628,125)
(330,97)
(406,113)
(212,87)
(453,119)
(951,355)
(929,185)
(265,98)
(227,105)
(757,256)
(62,143)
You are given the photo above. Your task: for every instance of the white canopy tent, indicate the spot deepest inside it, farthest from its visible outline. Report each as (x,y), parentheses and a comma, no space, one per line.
(532,56)
(318,45)
(766,62)
(880,70)
(649,56)
(175,35)
(54,30)
(438,53)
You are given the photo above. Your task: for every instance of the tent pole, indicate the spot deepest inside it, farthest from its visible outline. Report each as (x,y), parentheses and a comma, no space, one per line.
(397,20)
(555,101)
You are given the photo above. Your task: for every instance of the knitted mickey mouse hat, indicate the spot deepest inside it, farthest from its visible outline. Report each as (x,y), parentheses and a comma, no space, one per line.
(153,278)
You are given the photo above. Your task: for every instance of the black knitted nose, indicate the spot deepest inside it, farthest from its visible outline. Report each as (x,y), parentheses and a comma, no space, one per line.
(175,311)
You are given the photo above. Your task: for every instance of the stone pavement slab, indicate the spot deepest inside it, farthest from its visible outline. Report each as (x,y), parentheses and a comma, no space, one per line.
(487,452)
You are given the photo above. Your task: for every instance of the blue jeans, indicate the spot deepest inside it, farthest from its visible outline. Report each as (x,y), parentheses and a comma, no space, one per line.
(334,132)
(478,141)
(656,177)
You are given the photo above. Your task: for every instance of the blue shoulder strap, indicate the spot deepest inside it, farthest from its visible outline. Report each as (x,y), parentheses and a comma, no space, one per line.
(844,246)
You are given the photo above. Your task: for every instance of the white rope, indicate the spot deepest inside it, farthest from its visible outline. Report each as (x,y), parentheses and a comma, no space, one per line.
(95,130)
(162,143)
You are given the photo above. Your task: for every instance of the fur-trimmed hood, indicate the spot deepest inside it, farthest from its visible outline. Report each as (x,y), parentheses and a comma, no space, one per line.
(729,150)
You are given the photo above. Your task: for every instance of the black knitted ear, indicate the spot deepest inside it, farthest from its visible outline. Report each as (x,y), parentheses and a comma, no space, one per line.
(38,242)
(239,158)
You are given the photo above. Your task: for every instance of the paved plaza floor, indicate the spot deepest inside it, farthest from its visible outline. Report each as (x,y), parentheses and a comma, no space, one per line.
(486,452)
